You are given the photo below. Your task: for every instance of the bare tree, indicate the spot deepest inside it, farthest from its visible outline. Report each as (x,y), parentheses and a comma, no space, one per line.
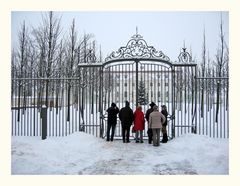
(209,82)
(71,65)
(220,63)
(59,73)
(83,59)
(226,73)
(203,70)
(21,62)
(13,70)
(30,68)
(47,36)
(41,47)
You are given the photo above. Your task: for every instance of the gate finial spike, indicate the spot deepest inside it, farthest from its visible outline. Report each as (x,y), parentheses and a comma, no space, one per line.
(184,47)
(136,30)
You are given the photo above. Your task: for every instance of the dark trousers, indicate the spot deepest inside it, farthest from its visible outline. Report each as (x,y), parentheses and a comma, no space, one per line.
(165,137)
(150,134)
(109,127)
(125,133)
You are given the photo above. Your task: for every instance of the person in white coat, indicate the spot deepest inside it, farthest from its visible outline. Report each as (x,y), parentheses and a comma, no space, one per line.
(156,119)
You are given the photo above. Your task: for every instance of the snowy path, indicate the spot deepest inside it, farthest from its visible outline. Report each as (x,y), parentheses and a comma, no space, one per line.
(82,154)
(131,159)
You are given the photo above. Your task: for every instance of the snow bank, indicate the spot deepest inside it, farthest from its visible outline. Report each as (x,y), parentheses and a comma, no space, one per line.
(81,153)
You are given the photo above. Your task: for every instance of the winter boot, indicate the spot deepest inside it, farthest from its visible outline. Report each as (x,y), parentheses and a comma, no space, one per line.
(165,138)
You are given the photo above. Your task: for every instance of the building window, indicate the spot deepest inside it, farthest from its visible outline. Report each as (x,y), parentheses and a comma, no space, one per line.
(125,84)
(125,94)
(167,96)
(133,84)
(118,84)
(151,84)
(159,84)
(166,83)
(125,76)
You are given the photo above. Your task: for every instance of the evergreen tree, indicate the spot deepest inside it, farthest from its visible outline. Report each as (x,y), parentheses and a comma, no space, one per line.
(142,96)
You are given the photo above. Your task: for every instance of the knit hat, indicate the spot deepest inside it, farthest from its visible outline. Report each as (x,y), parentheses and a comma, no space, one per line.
(164,107)
(152,104)
(113,105)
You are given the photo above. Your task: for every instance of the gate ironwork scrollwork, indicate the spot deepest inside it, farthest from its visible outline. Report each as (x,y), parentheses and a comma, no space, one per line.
(137,48)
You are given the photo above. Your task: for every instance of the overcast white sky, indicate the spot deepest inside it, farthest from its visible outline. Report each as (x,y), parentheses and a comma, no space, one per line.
(164,30)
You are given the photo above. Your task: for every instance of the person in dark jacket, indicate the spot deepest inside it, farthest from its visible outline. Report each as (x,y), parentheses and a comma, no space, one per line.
(126,118)
(149,131)
(164,125)
(112,120)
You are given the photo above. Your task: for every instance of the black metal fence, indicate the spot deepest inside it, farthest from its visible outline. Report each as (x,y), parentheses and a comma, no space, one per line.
(137,73)
(70,107)
(212,115)
(192,102)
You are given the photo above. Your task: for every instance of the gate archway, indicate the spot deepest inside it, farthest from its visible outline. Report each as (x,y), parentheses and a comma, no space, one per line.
(140,74)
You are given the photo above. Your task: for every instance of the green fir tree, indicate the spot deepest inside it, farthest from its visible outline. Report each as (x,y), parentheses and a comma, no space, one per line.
(142,96)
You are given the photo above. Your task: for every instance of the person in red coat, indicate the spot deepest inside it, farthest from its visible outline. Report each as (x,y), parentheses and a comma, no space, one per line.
(139,124)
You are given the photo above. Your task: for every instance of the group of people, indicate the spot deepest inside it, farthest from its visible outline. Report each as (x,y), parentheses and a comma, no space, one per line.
(157,121)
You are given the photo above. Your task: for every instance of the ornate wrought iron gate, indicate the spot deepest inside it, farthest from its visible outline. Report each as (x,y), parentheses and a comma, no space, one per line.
(140,74)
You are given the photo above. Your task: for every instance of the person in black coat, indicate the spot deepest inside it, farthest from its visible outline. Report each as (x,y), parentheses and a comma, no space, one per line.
(164,126)
(149,131)
(112,120)
(126,117)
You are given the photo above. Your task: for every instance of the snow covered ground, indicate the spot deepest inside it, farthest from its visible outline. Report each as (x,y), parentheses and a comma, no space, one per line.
(84,154)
